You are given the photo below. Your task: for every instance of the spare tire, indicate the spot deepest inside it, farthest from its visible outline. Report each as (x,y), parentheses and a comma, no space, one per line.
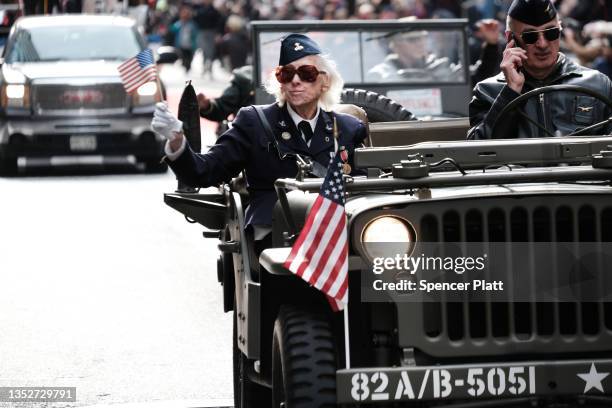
(378,107)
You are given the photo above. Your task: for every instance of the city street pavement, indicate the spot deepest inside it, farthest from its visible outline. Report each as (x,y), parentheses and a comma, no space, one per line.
(106,289)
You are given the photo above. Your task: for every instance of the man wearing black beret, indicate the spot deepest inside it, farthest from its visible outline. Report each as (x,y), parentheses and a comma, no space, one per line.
(306,85)
(532,60)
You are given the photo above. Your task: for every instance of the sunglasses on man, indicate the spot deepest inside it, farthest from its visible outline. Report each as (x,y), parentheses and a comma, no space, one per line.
(307,73)
(550,34)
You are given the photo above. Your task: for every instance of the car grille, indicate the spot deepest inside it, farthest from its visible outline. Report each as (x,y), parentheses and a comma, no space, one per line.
(485,327)
(89,99)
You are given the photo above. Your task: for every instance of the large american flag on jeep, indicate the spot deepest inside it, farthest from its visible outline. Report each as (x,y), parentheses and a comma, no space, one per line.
(137,70)
(320,254)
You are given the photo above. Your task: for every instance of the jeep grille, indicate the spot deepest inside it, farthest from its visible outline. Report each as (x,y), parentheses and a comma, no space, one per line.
(482,328)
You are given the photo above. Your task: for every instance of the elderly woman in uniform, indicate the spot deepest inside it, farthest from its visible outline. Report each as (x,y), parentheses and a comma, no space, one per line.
(306,85)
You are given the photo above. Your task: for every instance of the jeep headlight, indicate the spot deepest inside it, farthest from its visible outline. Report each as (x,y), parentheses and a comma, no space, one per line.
(388,236)
(147,94)
(15,96)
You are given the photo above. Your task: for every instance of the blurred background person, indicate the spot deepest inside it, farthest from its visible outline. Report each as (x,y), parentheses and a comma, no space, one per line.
(185,34)
(234,46)
(210,24)
(410,59)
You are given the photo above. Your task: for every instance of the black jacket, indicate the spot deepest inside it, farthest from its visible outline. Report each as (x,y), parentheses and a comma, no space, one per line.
(247,147)
(560,112)
(238,94)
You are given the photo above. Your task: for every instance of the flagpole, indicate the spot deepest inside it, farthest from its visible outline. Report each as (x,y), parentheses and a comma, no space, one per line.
(347,347)
(159,85)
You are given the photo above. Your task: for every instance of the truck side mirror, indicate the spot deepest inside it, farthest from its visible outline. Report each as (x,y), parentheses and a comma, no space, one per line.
(167,55)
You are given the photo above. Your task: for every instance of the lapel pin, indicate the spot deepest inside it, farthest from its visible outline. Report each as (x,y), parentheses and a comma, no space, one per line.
(326,139)
(286,135)
(346,168)
(282,123)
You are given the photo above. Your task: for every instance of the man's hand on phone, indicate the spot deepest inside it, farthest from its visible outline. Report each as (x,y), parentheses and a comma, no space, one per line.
(511,66)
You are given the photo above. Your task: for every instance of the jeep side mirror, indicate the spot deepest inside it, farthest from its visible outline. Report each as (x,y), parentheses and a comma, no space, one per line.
(167,55)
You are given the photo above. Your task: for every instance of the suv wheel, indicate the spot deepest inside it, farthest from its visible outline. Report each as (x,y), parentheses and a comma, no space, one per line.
(8,165)
(378,107)
(247,394)
(303,360)
(154,166)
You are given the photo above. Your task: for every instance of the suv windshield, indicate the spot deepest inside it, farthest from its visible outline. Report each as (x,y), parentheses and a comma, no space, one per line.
(72,43)
(391,56)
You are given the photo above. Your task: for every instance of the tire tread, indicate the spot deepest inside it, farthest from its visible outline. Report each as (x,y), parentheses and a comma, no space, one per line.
(308,358)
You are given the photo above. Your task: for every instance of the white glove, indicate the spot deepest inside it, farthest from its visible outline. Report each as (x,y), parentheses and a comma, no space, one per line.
(165,123)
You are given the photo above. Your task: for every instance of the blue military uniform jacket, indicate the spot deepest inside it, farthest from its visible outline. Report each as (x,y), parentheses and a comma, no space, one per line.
(247,147)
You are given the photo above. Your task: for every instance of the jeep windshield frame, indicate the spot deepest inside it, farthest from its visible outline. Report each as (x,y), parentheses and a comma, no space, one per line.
(365,45)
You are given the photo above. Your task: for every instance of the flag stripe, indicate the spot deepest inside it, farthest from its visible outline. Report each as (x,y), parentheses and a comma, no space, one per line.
(140,78)
(328,246)
(311,256)
(303,250)
(337,286)
(134,79)
(333,263)
(305,230)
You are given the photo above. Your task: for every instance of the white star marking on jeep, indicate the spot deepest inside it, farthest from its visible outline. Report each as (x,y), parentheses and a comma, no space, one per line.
(593,379)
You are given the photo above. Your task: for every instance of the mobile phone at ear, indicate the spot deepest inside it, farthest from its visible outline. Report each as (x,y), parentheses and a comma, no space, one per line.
(509,37)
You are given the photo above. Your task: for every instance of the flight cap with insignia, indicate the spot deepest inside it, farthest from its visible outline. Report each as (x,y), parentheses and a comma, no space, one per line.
(296,46)
(532,12)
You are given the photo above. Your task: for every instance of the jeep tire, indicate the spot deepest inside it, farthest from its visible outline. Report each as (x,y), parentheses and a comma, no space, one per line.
(247,394)
(303,360)
(378,107)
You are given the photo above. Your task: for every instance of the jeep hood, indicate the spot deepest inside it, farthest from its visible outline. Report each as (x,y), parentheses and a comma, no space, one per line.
(363,203)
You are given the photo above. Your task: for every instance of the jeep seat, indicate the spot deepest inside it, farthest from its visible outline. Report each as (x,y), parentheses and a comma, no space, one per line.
(384,134)
(358,113)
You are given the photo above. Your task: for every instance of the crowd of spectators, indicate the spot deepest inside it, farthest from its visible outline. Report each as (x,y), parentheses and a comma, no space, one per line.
(222,25)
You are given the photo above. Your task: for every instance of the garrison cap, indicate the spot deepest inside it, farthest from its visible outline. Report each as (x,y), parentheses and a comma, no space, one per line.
(532,12)
(296,46)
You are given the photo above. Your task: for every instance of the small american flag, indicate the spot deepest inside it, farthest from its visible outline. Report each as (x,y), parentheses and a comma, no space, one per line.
(320,254)
(138,70)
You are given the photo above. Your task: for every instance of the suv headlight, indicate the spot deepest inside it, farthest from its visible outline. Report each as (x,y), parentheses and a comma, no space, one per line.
(388,236)
(15,96)
(147,94)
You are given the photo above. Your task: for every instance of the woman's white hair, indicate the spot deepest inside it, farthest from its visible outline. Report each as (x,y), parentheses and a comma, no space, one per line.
(328,98)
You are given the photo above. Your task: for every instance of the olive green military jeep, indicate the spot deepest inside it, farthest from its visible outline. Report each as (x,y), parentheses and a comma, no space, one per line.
(527,322)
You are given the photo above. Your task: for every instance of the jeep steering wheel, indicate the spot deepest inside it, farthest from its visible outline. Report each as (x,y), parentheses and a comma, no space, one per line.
(548,89)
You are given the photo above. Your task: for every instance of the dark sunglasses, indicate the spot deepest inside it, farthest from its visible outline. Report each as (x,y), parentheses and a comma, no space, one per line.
(307,73)
(531,37)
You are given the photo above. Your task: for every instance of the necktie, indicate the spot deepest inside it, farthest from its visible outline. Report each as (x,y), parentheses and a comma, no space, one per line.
(306,130)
